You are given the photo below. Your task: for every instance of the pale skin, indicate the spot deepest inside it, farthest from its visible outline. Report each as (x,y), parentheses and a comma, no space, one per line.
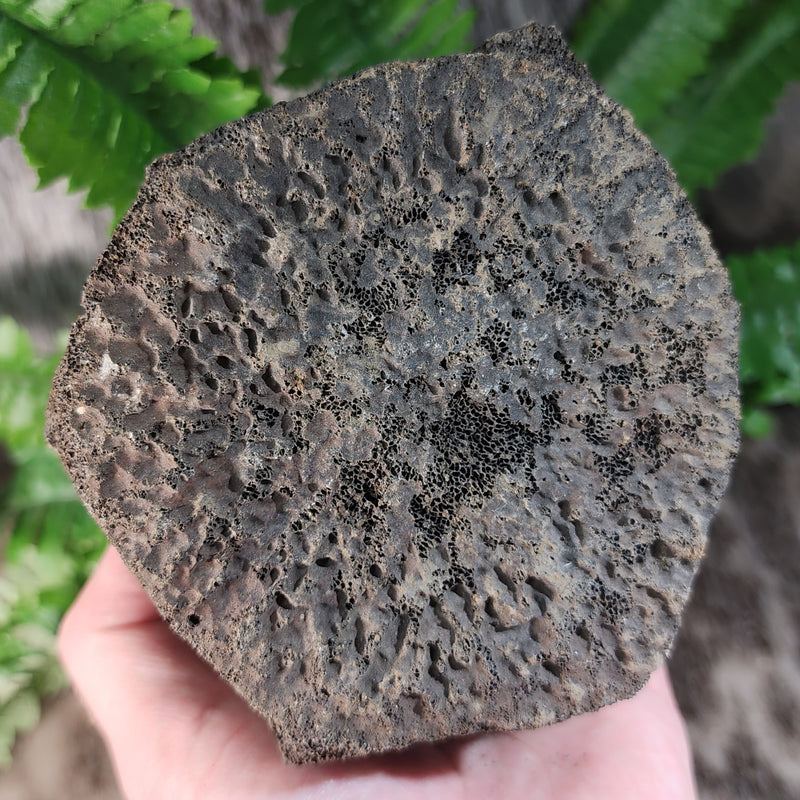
(177,732)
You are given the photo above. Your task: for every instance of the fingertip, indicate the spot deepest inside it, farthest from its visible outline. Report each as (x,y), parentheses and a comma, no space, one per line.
(659,681)
(111,599)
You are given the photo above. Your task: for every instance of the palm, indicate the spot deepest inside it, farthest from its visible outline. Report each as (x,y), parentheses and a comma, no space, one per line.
(176,730)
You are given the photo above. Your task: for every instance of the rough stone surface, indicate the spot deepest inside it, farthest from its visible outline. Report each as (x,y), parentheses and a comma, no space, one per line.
(410,402)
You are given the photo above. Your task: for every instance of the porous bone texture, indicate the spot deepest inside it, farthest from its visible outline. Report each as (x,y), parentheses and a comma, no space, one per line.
(410,402)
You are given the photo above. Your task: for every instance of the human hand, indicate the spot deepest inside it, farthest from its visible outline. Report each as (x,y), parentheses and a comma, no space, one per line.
(176,731)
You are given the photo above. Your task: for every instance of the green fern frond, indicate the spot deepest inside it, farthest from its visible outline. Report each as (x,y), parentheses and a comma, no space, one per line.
(767,285)
(49,541)
(719,121)
(645,53)
(699,76)
(331,39)
(108,85)
(54,549)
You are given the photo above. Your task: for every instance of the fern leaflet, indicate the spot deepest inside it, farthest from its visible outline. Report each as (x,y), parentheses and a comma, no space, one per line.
(108,85)
(767,285)
(329,40)
(49,541)
(644,53)
(719,120)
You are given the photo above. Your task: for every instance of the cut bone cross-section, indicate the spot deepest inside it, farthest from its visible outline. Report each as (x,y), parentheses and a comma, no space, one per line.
(410,402)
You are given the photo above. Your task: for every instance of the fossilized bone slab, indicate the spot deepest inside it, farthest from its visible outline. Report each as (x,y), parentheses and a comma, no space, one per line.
(410,402)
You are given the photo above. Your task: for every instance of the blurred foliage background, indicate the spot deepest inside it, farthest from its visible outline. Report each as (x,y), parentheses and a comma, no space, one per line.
(96,89)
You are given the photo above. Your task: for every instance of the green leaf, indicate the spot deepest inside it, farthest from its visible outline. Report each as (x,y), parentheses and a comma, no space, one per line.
(451,41)
(18,715)
(757,422)
(699,76)
(22,78)
(719,121)
(644,53)
(39,479)
(438,32)
(24,387)
(279,6)
(767,285)
(46,13)
(332,39)
(89,19)
(108,87)
(50,543)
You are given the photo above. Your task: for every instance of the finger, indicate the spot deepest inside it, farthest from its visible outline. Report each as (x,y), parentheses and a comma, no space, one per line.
(161,709)
(176,730)
(632,749)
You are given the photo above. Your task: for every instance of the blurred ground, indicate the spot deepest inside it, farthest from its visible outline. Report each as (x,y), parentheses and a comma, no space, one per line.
(62,758)
(736,665)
